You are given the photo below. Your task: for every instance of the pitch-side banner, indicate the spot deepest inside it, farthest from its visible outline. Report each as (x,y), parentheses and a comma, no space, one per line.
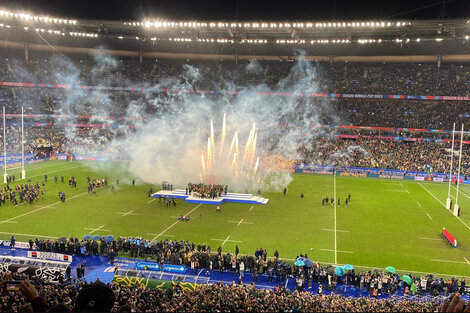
(18,244)
(50,256)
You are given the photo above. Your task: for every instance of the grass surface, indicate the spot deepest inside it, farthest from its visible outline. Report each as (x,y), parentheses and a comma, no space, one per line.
(388,222)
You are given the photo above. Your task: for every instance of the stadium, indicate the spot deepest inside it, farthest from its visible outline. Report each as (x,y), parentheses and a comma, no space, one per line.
(162,163)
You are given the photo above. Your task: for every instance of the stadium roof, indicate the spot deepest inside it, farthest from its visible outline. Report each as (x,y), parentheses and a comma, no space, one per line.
(266,38)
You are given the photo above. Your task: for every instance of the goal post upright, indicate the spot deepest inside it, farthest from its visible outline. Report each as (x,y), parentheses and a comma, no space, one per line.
(456,205)
(449,201)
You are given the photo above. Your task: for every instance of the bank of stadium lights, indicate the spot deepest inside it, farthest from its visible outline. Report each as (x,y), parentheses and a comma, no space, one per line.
(180,39)
(215,40)
(41,19)
(265,25)
(367,41)
(254,41)
(78,34)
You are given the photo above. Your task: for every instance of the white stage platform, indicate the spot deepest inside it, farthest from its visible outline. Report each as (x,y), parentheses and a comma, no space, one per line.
(229,197)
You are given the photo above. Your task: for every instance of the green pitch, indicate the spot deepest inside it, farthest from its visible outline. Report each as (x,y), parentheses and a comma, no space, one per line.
(388,222)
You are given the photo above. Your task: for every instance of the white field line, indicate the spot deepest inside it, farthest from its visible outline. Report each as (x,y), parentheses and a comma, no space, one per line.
(127,213)
(452,197)
(166,235)
(429,216)
(341,251)
(401,184)
(96,229)
(39,209)
(443,205)
(29,235)
(461,192)
(240,222)
(419,204)
(8,222)
(340,231)
(407,191)
(466,260)
(448,261)
(251,208)
(33,169)
(426,238)
(151,200)
(65,169)
(175,223)
(432,195)
(226,240)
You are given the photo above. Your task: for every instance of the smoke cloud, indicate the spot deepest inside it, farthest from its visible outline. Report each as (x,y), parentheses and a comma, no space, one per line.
(172,131)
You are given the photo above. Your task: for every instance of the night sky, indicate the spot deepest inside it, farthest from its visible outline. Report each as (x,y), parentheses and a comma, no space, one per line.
(240,10)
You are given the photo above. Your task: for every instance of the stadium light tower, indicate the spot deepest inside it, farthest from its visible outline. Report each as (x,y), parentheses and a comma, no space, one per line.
(456,205)
(449,201)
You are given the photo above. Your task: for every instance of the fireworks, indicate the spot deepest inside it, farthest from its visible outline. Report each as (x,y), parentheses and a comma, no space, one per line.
(225,161)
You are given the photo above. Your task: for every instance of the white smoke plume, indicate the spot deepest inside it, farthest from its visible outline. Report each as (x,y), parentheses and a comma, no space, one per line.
(172,130)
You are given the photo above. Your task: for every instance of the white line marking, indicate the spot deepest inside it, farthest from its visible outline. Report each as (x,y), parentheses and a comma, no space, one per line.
(432,194)
(96,229)
(29,235)
(151,200)
(448,261)
(227,240)
(401,184)
(419,204)
(251,208)
(466,260)
(462,192)
(166,235)
(342,251)
(443,204)
(9,222)
(42,208)
(407,191)
(12,170)
(429,216)
(175,223)
(65,169)
(340,231)
(127,213)
(240,222)
(425,238)
(452,197)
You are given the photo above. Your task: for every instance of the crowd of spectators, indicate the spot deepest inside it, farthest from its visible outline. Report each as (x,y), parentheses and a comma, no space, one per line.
(219,297)
(201,257)
(431,157)
(36,296)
